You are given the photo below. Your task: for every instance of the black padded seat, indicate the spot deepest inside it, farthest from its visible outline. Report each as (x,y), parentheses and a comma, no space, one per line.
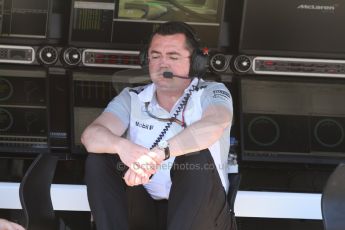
(34,193)
(333,200)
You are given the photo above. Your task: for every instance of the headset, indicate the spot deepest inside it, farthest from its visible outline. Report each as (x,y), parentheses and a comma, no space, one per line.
(199,58)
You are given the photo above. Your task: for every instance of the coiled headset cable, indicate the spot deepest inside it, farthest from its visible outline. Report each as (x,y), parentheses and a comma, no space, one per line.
(180,108)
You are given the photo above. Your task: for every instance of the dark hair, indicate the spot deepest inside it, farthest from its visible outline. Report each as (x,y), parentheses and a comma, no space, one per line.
(177,27)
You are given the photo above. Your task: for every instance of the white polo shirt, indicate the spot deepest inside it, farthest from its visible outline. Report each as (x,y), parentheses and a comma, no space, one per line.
(129,107)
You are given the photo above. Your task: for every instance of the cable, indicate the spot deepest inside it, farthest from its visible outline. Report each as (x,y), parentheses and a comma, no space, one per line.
(178,110)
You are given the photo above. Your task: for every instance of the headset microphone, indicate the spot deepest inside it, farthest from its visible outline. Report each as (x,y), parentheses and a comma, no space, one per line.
(168,74)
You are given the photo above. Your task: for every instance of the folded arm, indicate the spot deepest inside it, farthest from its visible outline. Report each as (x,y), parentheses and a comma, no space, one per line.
(203,133)
(104,136)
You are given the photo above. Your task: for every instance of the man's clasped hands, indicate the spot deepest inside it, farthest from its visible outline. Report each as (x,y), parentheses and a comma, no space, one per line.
(142,162)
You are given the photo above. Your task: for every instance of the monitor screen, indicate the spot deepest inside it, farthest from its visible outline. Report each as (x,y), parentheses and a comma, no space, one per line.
(23,110)
(39,20)
(127,24)
(24,18)
(302,28)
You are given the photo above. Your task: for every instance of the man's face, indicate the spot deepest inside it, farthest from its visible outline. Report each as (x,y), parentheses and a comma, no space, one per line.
(169,53)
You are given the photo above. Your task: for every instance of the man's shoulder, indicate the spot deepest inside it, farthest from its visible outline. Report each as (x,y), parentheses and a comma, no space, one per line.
(137,89)
(210,84)
(214,89)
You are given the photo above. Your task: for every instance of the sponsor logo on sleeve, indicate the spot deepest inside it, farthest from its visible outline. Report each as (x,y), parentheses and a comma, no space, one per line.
(221,94)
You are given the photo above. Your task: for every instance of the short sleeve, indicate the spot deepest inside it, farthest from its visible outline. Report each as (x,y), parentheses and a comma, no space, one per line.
(216,94)
(120,106)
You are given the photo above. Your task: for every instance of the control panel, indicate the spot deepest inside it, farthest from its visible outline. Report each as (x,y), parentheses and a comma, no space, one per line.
(290,66)
(111,58)
(48,55)
(17,54)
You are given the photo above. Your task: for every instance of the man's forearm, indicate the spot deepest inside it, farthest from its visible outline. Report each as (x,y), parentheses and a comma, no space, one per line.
(98,139)
(201,134)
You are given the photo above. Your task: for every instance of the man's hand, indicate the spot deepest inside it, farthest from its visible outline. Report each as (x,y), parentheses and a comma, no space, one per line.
(133,179)
(136,158)
(8,225)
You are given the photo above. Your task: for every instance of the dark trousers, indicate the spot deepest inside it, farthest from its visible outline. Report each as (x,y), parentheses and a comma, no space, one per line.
(197,199)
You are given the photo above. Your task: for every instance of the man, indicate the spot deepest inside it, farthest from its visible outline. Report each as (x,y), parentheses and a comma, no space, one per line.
(8,225)
(173,135)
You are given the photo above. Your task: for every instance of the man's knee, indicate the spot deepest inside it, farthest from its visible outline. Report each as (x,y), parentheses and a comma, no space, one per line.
(95,166)
(197,164)
(199,157)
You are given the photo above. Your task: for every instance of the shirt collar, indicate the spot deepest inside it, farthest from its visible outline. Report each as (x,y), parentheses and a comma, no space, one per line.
(148,94)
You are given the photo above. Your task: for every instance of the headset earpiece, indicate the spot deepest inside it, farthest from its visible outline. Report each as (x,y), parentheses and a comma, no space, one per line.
(198,63)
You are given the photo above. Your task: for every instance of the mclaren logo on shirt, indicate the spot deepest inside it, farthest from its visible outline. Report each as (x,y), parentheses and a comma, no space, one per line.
(144,126)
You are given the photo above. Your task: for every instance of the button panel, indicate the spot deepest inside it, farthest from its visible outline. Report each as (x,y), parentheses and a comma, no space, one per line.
(111,58)
(17,54)
(299,67)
